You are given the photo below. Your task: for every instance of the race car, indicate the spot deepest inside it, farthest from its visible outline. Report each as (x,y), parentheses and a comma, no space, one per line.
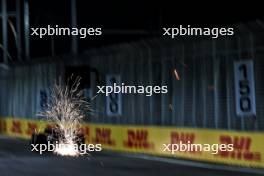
(53,135)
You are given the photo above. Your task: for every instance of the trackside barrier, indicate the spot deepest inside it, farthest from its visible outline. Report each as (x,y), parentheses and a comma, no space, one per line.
(248,146)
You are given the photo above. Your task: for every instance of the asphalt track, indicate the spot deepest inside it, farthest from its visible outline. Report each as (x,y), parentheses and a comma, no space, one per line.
(17,160)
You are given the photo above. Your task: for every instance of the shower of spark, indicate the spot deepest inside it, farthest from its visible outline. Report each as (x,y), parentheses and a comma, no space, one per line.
(67,108)
(68,149)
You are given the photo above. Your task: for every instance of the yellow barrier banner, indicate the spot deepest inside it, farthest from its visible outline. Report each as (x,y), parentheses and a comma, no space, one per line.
(247,146)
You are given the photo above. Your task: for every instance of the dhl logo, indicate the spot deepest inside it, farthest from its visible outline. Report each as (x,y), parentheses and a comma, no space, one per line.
(184,138)
(31,128)
(103,136)
(49,126)
(2,126)
(86,132)
(138,139)
(242,148)
(16,127)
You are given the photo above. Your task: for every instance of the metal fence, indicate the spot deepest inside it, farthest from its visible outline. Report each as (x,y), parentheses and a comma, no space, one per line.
(202,96)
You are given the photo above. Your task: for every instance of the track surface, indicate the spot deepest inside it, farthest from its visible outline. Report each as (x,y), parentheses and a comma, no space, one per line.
(17,160)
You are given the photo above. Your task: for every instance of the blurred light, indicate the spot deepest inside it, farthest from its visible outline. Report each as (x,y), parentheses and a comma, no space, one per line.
(176,74)
(68,149)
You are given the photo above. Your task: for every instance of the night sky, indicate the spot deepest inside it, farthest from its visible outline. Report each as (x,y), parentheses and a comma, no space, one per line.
(126,21)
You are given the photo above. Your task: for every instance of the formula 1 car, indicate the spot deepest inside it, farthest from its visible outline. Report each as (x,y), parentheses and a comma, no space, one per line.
(53,135)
